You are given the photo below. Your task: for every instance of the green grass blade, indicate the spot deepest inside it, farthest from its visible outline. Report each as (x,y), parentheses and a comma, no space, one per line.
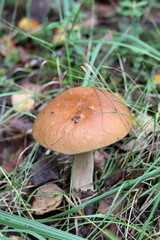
(34,227)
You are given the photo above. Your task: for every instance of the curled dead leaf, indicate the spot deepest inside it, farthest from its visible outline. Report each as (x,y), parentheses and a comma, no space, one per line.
(47,199)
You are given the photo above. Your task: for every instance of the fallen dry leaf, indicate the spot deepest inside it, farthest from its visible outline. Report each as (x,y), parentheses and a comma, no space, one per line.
(143,125)
(8,48)
(117,177)
(146,123)
(106,203)
(89,22)
(18,125)
(9,154)
(100,158)
(47,199)
(25,101)
(134,145)
(45,170)
(104,10)
(104,206)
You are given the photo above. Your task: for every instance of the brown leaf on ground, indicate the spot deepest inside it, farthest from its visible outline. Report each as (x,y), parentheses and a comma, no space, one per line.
(115,229)
(51,168)
(145,123)
(106,203)
(47,199)
(105,206)
(15,126)
(90,21)
(23,56)
(100,158)
(7,45)
(134,145)
(44,171)
(104,10)
(25,101)
(90,209)
(84,231)
(22,102)
(9,156)
(13,140)
(117,177)
(145,126)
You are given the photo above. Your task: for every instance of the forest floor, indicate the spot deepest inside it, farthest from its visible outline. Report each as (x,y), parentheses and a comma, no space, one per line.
(47,47)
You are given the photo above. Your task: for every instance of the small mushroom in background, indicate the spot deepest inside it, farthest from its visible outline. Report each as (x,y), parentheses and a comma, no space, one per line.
(78,121)
(28,24)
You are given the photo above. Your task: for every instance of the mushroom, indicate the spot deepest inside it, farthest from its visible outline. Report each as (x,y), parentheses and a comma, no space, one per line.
(78,121)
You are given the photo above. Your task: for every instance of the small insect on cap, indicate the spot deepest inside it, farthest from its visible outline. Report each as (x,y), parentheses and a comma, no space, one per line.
(82,119)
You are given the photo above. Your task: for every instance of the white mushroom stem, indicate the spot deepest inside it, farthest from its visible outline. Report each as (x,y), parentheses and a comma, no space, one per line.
(82,172)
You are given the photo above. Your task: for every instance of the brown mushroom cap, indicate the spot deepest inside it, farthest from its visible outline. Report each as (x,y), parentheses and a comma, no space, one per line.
(82,119)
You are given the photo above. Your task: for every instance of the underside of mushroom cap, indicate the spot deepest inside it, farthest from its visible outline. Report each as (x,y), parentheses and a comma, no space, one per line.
(82,119)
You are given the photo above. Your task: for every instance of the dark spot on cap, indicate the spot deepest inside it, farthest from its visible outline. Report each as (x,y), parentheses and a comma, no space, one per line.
(75,119)
(52,113)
